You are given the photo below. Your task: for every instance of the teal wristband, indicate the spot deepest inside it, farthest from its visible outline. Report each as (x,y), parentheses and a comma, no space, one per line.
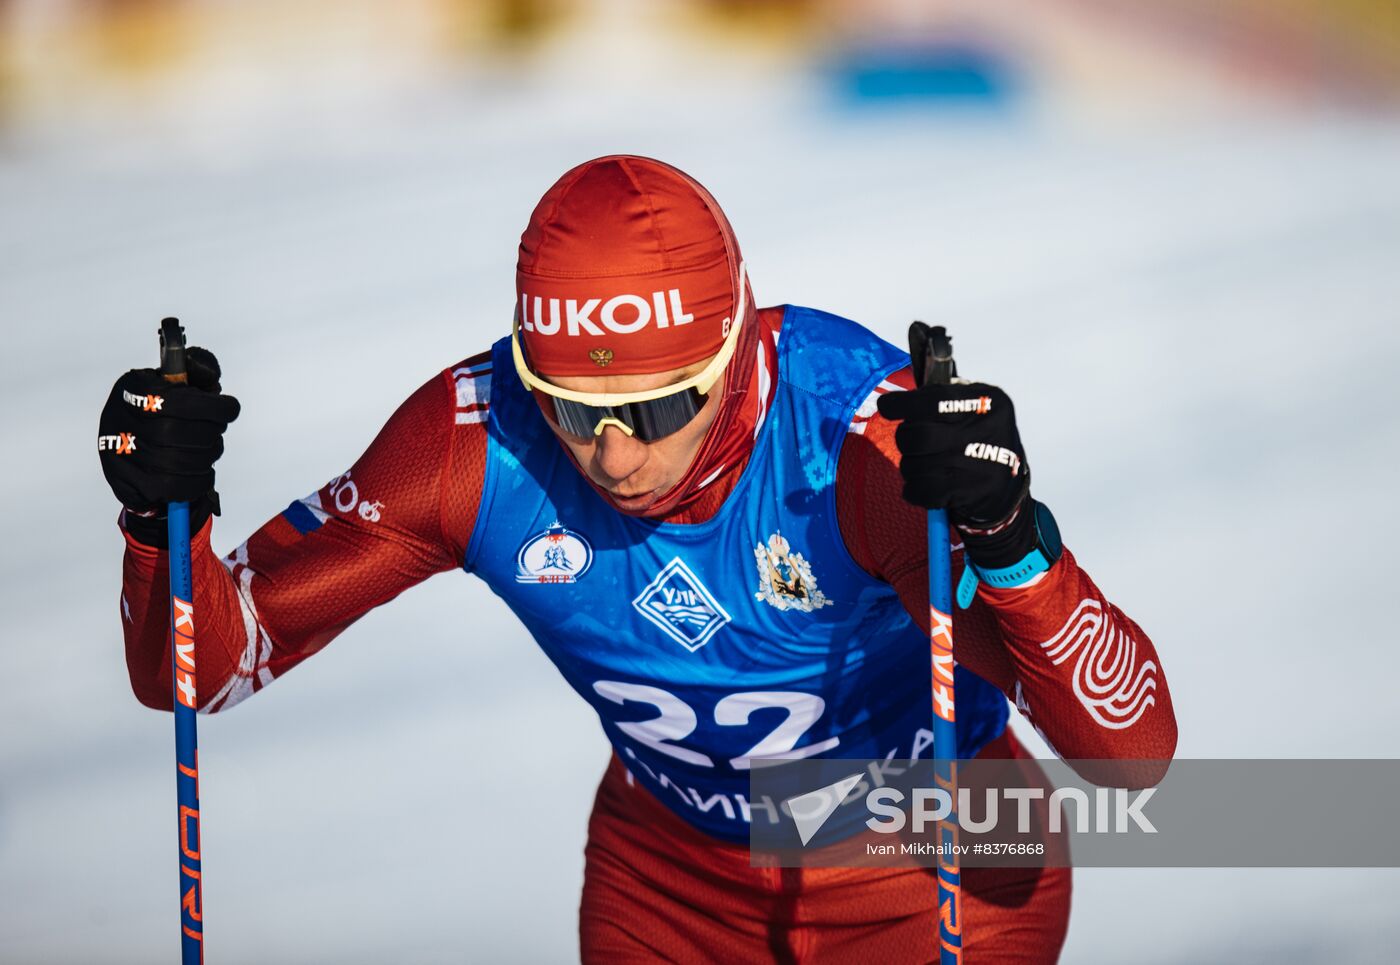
(1018,574)
(1037,561)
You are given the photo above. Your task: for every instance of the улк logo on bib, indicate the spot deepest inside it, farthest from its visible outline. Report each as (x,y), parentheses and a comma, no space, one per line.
(678,603)
(785,578)
(558,555)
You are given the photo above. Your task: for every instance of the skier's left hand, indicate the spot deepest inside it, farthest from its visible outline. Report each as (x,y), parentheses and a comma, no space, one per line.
(959,450)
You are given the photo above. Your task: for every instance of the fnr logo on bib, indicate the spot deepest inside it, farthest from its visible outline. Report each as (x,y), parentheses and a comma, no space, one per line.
(558,555)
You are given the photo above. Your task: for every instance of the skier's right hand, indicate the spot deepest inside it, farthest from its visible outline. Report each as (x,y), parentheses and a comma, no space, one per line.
(158,442)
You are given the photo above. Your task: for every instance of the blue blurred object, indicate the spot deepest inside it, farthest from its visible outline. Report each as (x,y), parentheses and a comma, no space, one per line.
(960,71)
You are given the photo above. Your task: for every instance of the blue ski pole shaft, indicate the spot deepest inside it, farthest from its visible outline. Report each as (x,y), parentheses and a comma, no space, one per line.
(939,367)
(172,366)
(945,736)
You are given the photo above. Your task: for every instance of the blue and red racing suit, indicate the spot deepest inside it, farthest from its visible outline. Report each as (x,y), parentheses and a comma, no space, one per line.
(783,614)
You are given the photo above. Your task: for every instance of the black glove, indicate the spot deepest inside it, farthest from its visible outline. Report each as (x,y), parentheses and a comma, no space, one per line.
(960,451)
(158,442)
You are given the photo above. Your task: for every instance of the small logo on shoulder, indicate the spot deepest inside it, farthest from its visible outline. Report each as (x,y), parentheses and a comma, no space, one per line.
(558,555)
(785,578)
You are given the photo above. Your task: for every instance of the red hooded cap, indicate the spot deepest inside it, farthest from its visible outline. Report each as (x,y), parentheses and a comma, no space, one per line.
(628,266)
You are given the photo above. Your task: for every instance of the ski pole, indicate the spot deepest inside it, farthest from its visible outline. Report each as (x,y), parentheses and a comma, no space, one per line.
(172,366)
(939,368)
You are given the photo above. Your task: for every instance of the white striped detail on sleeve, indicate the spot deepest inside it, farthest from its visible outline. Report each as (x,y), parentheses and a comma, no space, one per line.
(473,392)
(869,406)
(1108,680)
(765,383)
(252,673)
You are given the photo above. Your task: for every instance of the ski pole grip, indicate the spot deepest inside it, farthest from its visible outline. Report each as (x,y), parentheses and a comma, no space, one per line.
(941,367)
(172,350)
(937,354)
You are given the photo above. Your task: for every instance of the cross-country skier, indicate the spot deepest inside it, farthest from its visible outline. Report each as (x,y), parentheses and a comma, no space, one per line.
(711,517)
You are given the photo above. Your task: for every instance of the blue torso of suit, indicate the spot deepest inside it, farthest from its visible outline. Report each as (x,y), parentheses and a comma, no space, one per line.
(750,635)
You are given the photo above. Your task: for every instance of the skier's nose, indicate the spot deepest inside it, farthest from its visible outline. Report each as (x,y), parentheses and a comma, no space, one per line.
(619,455)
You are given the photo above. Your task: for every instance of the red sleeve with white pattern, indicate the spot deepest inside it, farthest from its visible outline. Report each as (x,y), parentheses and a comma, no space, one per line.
(1074,664)
(402,513)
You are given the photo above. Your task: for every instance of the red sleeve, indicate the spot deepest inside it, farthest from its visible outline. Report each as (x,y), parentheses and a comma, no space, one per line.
(403,512)
(1074,664)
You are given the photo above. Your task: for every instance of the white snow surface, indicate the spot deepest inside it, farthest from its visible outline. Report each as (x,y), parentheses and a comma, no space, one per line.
(1199,321)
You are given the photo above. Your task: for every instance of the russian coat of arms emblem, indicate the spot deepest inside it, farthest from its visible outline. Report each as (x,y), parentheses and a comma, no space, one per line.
(785,578)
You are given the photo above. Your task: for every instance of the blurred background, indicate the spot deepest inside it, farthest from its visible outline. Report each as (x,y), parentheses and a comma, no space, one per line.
(1171,230)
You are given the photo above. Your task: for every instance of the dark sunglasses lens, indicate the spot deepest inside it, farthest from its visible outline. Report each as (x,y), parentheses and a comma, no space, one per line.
(658,418)
(649,421)
(575,418)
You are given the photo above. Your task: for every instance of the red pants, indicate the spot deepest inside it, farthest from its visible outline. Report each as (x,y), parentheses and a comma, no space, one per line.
(655,889)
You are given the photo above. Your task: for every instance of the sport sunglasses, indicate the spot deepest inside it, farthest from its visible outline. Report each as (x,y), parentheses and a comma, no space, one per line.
(648,415)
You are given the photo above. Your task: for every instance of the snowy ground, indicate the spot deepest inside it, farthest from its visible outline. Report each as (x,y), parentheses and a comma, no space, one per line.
(1200,323)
